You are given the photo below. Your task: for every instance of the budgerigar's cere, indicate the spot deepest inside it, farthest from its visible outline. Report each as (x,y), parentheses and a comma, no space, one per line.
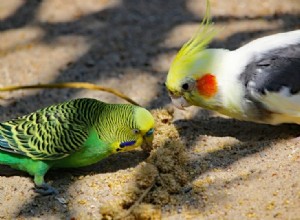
(258,82)
(72,134)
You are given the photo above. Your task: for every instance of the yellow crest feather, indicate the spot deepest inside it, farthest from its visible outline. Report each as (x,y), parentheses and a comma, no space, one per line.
(200,40)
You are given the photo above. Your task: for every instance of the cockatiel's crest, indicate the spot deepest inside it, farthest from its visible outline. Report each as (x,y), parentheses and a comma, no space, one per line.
(191,49)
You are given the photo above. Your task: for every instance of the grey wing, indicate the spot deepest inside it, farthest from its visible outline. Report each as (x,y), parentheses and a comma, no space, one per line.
(273,81)
(274,70)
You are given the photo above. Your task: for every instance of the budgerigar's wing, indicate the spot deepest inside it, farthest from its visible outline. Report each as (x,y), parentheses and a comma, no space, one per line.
(48,134)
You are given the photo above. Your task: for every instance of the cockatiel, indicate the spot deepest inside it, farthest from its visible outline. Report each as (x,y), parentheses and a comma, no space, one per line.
(72,134)
(258,82)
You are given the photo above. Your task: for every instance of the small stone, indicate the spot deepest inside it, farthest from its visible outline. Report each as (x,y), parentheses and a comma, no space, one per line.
(61,200)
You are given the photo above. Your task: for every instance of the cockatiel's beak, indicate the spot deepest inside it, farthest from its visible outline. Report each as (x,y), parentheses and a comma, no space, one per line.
(179,102)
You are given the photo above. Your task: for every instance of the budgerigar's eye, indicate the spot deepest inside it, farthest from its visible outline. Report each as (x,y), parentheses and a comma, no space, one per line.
(150,132)
(136,131)
(185,86)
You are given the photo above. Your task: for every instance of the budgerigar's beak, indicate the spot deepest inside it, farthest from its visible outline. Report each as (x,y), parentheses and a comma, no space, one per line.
(180,102)
(148,141)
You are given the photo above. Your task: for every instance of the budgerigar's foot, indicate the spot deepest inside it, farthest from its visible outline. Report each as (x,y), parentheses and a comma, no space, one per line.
(45,189)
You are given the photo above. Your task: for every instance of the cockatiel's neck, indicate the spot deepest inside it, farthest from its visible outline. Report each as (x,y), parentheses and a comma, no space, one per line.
(230,90)
(226,67)
(210,65)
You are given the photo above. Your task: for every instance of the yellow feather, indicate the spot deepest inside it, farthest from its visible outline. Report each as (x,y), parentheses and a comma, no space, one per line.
(144,119)
(204,35)
(191,56)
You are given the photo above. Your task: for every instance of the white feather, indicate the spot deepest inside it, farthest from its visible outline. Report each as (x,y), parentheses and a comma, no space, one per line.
(231,65)
(285,105)
(262,45)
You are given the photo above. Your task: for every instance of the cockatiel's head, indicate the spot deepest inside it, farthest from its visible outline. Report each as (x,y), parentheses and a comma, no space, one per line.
(191,79)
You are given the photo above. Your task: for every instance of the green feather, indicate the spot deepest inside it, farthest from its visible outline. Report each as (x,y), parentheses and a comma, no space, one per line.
(72,134)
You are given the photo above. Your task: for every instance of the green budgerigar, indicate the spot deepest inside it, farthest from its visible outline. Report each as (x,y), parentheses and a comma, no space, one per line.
(73,134)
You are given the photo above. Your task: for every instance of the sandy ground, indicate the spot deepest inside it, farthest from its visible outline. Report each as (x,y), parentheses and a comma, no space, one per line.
(203,165)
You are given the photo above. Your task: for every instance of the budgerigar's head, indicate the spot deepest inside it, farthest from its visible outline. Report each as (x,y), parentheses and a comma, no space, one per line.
(136,129)
(191,80)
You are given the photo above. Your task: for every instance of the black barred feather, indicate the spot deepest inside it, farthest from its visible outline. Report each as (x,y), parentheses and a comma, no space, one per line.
(57,131)
(117,124)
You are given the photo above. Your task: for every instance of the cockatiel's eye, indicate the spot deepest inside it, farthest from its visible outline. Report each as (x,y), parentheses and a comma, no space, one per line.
(188,86)
(185,86)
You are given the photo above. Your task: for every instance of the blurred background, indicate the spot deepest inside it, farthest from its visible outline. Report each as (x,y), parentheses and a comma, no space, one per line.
(232,168)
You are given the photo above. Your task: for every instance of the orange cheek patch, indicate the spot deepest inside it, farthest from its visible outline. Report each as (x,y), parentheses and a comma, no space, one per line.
(207,85)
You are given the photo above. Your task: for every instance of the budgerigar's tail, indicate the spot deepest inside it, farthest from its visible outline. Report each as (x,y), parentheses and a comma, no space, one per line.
(3,142)
(6,157)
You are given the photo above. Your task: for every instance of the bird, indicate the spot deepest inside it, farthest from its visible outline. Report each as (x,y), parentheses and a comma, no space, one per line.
(257,82)
(72,134)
